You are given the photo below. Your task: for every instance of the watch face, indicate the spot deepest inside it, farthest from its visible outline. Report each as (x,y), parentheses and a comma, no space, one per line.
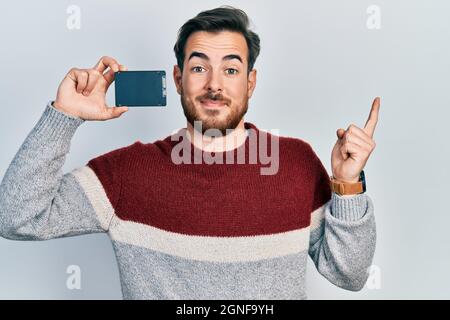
(362,178)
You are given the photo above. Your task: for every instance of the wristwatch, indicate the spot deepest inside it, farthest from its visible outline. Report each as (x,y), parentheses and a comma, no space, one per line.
(346,188)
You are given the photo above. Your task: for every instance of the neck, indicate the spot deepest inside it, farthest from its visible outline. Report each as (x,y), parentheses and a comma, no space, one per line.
(232,140)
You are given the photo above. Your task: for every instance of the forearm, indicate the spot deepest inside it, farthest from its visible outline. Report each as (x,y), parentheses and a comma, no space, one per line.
(344,245)
(34,175)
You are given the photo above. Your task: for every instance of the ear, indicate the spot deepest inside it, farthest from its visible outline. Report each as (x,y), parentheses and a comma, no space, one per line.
(177,77)
(251,84)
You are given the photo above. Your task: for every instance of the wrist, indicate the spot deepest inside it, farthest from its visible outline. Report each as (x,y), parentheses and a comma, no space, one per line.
(348,187)
(58,107)
(342,180)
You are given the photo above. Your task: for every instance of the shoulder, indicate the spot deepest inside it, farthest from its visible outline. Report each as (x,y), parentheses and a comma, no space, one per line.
(302,153)
(112,156)
(135,151)
(296,146)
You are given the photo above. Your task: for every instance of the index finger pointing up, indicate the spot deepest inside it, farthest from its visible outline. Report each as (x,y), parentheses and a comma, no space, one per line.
(106,62)
(371,122)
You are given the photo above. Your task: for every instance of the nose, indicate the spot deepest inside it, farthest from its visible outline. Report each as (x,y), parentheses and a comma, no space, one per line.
(214,83)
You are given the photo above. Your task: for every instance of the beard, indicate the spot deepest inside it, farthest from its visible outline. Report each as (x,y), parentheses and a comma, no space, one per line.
(212,119)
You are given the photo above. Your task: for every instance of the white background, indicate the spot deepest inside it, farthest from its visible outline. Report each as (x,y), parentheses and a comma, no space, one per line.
(319,69)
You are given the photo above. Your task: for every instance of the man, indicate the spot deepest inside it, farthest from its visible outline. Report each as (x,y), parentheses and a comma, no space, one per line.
(197,230)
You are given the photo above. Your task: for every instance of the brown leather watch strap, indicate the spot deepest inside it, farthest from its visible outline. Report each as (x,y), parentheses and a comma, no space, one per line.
(343,188)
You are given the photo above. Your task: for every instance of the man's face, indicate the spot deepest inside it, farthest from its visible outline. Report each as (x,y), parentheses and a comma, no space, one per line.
(214,86)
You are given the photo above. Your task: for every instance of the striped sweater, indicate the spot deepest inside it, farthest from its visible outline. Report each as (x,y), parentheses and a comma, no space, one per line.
(191,231)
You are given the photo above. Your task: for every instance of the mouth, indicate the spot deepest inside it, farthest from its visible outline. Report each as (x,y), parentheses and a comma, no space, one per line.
(212,103)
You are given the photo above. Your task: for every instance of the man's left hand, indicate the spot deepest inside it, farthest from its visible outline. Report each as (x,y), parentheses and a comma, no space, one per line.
(353,148)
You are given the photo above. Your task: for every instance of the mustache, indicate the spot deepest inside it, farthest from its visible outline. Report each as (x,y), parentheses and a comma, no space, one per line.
(214,97)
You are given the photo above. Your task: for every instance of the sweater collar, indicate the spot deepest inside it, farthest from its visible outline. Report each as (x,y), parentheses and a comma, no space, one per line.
(182,132)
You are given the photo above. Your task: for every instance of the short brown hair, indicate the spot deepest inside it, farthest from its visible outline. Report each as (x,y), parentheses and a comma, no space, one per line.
(224,18)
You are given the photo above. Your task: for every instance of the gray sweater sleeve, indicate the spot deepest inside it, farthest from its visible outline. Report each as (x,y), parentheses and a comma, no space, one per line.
(38,201)
(343,237)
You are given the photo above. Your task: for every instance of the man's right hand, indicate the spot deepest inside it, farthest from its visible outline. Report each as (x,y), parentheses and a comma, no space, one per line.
(82,92)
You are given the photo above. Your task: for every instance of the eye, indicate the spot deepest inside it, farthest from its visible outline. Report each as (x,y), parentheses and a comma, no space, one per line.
(196,68)
(236,71)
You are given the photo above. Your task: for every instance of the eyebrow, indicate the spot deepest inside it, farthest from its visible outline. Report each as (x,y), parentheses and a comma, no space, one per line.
(201,55)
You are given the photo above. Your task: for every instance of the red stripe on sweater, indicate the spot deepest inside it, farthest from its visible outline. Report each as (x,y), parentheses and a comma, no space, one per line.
(145,186)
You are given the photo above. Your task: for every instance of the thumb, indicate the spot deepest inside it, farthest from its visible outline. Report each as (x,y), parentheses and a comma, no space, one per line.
(340,133)
(115,112)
